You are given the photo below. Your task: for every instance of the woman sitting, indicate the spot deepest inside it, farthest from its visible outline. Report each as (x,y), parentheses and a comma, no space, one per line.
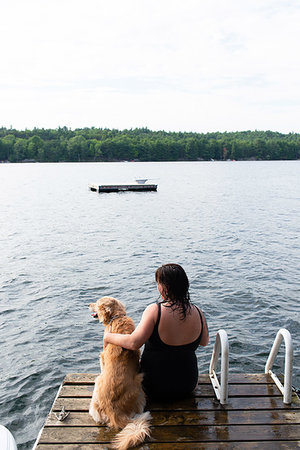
(171,331)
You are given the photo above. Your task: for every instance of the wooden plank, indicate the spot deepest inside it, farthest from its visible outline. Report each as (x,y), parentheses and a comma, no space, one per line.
(75,435)
(241,390)
(82,390)
(241,378)
(79,378)
(226,433)
(235,390)
(72,447)
(234,378)
(234,403)
(187,433)
(272,445)
(163,418)
(202,404)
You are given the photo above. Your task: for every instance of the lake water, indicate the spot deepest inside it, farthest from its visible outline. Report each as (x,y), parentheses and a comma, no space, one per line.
(233,226)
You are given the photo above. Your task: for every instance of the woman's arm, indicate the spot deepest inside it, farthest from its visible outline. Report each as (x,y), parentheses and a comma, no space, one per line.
(205,335)
(139,336)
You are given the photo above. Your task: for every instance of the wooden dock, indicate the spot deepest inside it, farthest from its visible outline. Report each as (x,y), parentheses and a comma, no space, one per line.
(255,417)
(122,187)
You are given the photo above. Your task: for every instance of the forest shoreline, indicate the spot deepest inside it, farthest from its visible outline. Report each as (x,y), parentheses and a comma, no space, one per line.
(142,144)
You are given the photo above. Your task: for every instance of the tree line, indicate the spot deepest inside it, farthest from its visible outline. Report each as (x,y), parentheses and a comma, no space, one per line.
(142,144)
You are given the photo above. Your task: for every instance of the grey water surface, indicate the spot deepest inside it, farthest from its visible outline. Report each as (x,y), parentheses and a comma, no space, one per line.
(233,226)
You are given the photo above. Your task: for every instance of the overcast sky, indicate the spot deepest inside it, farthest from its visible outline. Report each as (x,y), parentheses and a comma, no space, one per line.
(174,65)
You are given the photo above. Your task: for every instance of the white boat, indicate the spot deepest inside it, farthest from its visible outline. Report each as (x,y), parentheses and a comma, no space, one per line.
(141,180)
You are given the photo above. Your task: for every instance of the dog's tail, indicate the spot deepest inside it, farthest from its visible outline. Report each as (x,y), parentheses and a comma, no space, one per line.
(134,432)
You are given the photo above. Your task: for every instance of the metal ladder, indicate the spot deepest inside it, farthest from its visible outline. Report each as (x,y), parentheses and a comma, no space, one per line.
(221,346)
(285,389)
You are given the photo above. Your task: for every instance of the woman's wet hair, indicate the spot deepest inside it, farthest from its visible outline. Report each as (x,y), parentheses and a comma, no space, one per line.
(176,287)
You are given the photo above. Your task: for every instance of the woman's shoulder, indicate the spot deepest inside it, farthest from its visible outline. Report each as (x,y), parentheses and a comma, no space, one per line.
(152,308)
(204,333)
(196,311)
(197,308)
(150,314)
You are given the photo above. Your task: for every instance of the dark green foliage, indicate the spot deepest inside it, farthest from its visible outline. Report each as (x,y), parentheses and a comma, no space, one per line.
(98,144)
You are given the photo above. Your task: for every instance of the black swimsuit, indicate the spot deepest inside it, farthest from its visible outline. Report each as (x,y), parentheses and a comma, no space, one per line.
(169,370)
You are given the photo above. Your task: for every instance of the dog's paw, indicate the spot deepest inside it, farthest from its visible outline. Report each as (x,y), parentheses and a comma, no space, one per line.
(97,415)
(94,413)
(104,419)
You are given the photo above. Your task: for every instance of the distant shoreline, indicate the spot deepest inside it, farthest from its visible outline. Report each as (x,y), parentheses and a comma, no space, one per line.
(150,161)
(141,145)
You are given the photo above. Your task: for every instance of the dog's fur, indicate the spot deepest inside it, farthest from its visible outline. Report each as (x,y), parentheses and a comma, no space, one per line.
(118,398)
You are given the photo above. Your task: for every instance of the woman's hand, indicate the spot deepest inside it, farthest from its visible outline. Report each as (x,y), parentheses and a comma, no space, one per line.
(106,332)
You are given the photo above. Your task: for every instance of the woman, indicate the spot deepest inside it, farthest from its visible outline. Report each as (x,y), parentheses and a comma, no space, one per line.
(171,331)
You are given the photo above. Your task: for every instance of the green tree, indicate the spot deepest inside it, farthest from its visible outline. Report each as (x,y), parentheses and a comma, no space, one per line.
(191,149)
(20,149)
(36,148)
(7,147)
(77,148)
(94,151)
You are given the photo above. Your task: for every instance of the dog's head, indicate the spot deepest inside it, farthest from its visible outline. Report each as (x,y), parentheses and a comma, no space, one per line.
(106,308)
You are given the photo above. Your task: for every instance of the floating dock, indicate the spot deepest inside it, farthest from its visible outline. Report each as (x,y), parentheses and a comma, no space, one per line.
(122,187)
(254,417)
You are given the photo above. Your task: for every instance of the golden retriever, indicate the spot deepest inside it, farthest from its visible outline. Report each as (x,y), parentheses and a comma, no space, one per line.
(118,398)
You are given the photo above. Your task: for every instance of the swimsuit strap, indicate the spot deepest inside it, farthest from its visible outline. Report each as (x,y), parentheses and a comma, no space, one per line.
(158,315)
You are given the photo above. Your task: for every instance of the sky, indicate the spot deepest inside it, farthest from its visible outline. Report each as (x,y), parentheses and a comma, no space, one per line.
(188,65)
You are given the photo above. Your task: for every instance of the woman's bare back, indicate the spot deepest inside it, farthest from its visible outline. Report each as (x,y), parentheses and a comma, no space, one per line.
(175,331)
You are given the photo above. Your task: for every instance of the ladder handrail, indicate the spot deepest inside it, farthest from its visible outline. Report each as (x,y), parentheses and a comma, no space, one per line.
(285,389)
(221,346)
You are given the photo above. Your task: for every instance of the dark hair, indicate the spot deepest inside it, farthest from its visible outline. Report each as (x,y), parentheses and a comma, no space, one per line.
(176,284)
